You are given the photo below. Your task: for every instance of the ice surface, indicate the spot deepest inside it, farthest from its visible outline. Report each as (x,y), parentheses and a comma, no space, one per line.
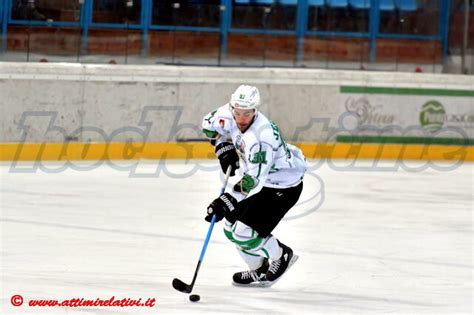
(373,238)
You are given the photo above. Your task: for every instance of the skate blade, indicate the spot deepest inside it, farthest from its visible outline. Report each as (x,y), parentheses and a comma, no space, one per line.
(260,284)
(267,284)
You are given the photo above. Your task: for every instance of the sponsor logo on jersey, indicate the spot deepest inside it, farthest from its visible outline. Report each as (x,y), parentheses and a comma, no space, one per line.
(222,123)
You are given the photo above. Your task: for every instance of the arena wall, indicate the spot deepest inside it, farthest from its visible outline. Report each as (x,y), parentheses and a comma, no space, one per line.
(77,111)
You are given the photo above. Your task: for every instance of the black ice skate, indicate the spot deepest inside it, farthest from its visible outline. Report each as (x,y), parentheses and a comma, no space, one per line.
(251,277)
(280,266)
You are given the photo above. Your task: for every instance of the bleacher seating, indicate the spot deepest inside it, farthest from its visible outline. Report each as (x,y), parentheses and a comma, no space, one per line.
(327,29)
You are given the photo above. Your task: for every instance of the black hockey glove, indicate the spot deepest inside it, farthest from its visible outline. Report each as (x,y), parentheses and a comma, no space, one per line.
(227,156)
(221,207)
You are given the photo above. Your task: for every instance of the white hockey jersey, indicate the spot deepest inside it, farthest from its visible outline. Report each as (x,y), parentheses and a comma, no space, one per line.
(268,161)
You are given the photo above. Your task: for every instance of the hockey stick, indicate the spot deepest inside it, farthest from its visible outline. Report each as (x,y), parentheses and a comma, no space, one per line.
(187,288)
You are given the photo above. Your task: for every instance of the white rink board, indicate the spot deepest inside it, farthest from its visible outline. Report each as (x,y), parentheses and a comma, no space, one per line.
(115,103)
(381,241)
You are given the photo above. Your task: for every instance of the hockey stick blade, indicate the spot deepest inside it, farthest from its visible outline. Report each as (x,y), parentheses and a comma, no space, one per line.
(181,286)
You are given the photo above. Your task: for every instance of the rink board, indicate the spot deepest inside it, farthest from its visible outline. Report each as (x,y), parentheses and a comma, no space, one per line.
(101,112)
(56,103)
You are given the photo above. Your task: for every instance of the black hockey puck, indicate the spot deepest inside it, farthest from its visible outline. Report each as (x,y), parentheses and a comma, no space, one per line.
(194,298)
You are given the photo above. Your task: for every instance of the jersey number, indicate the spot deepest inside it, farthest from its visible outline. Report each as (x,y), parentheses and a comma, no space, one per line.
(278,136)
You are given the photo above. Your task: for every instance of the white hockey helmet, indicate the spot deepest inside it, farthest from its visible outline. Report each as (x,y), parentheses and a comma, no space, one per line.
(245,97)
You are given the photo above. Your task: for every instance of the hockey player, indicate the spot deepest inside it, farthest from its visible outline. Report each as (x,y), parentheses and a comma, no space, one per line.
(271,185)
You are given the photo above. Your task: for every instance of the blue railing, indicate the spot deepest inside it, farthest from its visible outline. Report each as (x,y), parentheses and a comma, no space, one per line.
(373,8)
